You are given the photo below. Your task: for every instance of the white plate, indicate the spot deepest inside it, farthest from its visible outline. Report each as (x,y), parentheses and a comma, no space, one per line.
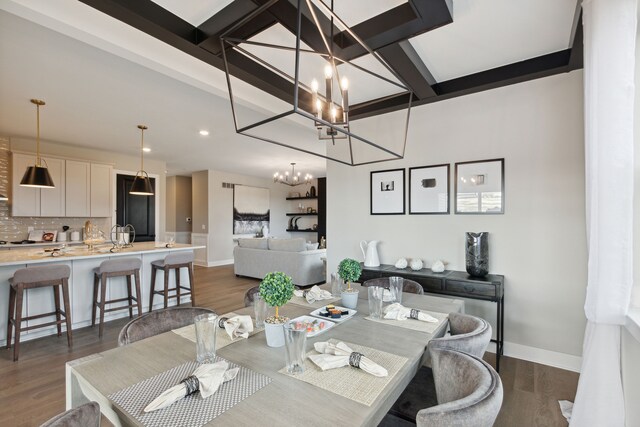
(352,312)
(308,319)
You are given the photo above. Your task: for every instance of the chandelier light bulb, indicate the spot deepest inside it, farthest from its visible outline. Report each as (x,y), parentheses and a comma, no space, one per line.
(344,83)
(318,105)
(328,71)
(314,85)
(334,113)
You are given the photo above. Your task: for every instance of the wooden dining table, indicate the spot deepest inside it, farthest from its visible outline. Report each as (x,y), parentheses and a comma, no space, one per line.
(285,399)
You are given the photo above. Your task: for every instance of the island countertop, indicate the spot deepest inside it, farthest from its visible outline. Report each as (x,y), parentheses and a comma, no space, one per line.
(38,255)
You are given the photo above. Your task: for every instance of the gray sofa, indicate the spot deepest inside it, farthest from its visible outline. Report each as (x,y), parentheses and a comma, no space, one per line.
(257,257)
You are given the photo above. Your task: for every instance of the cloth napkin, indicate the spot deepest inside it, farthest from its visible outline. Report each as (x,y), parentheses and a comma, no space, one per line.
(207,378)
(314,294)
(397,311)
(338,355)
(237,326)
(389,295)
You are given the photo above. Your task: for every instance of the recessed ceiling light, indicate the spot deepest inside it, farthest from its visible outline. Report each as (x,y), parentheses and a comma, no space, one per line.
(204,132)
(146,149)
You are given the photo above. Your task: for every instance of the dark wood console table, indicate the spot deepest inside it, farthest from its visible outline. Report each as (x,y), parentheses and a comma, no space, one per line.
(453,283)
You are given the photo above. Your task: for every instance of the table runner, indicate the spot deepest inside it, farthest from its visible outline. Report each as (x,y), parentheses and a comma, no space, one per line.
(301,301)
(415,325)
(192,411)
(222,338)
(349,382)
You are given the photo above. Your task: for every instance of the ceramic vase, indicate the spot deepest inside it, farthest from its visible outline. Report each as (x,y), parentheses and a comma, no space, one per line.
(477,254)
(274,333)
(350,298)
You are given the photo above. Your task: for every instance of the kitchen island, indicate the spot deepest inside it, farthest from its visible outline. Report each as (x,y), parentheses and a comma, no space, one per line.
(82,263)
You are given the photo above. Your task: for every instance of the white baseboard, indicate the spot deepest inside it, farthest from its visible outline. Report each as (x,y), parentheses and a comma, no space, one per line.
(539,355)
(219,263)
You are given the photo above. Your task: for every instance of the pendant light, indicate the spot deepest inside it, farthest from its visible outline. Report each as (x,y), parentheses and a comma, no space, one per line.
(141,183)
(37,175)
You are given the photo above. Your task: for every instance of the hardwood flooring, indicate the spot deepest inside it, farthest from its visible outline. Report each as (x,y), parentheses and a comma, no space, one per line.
(32,390)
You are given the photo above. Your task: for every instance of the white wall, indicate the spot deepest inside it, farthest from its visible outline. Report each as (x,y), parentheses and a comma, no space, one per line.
(539,244)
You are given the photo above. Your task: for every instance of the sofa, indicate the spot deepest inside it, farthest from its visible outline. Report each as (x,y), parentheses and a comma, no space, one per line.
(294,257)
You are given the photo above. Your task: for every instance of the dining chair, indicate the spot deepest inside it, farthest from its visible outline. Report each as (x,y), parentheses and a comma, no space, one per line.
(469,391)
(469,334)
(87,415)
(409,286)
(158,322)
(250,296)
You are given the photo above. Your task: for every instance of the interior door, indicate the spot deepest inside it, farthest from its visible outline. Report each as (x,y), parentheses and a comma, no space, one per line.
(139,211)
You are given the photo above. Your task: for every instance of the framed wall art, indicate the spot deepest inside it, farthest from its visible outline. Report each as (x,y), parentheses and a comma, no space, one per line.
(387,192)
(250,209)
(479,187)
(429,190)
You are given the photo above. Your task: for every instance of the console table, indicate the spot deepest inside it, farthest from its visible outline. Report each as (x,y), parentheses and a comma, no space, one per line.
(453,283)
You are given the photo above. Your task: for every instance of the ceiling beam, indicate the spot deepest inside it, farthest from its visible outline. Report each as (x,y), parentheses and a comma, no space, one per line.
(407,63)
(577,46)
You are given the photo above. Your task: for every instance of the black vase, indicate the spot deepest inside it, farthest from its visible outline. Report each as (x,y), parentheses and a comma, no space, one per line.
(312,191)
(477,254)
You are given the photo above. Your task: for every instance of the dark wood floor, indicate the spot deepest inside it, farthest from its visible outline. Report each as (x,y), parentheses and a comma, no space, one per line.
(32,390)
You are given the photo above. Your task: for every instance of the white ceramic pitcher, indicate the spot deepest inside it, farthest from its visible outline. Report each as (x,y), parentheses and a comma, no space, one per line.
(370,253)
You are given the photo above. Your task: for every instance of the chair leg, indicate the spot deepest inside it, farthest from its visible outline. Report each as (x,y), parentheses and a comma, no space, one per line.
(129,296)
(12,311)
(177,270)
(96,283)
(166,288)
(192,285)
(103,297)
(153,287)
(56,300)
(18,322)
(67,310)
(138,293)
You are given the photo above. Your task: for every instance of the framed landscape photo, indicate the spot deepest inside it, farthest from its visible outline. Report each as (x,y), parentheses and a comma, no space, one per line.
(387,192)
(429,190)
(480,187)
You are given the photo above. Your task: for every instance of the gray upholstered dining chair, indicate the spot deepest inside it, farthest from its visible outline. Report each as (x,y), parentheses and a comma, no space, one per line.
(469,391)
(158,322)
(469,334)
(409,286)
(250,296)
(87,415)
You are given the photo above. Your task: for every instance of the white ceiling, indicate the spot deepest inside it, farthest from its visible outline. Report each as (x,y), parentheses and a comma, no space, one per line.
(100,86)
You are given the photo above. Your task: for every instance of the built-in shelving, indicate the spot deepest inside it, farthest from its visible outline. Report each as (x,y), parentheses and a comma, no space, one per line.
(306,230)
(303,214)
(303,198)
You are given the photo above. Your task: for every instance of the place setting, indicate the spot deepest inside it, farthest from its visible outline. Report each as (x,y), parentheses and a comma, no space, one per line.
(229,328)
(314,297)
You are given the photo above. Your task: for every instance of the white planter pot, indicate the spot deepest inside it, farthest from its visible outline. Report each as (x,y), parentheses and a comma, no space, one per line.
(350,299)
(274,333)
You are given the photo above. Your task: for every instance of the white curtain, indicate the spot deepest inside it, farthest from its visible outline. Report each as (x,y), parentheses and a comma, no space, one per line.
(609,60)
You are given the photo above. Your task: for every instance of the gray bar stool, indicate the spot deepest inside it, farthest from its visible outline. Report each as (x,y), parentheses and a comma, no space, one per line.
(38,277)
(174,261)
(115,268)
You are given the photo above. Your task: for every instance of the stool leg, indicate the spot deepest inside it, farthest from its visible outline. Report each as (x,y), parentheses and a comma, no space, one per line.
(177,270)
(192,285)
(138,294)
(67,310)
(129,296)
(103,297)
(153,287)
(56,300)
(96,283)
(166,288)
(12,311)
(18,322)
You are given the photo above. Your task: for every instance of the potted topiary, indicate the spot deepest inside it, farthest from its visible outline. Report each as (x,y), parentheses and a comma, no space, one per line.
(276,289)
(350,270)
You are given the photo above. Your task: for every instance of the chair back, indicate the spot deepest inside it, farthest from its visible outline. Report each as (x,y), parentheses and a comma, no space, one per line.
(158,322)
(469,391)
(408,285)
(250,296)
(87,415)
(469,334)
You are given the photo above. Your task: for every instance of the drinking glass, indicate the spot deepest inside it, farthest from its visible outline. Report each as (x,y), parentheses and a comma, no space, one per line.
(395,287)
(295,339)
(375,301)
(260,309)
(336,285)
(206,326)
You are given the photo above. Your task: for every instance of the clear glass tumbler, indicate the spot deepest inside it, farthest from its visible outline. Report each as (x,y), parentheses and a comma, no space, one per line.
(261,310)
(395,287)
(206,327)
(295,339)
(336,285)
(375,301)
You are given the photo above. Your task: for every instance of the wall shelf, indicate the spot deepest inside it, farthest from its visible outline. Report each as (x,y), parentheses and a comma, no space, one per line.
(303,198)
(303,214)
(306,230)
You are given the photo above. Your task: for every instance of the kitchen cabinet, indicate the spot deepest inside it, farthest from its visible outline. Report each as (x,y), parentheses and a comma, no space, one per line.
(28,201)
(52,200)
(101,190)
(78,202)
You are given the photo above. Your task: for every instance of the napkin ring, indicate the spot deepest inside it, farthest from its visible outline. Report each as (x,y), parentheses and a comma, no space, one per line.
(304,294)
(192,384)
(221,322)
(354,359)
(413,314)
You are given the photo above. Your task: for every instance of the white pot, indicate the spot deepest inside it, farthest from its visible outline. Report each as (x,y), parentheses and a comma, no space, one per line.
(274,333)
(350,298)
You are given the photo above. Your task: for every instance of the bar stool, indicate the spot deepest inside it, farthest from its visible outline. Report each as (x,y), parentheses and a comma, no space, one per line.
(38,277)
(115,268)
(174,261)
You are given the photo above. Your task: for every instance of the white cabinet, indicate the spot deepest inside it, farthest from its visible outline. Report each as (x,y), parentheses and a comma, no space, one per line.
(28,201)
(78,189)
(101,190)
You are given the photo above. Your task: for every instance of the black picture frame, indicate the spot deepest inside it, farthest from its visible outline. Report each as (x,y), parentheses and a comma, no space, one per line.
(387,192)
(476,187)
(436,177)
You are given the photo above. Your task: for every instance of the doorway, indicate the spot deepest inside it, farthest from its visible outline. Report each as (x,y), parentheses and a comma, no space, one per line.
(139,211)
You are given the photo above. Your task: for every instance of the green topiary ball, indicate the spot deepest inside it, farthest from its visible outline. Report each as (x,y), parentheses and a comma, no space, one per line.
(276,288)
(349,269)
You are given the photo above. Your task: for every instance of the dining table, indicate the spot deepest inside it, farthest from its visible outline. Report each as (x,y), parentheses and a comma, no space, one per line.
(281,397)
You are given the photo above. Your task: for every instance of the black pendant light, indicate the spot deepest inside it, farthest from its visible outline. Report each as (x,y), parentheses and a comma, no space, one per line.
(141,183)
(37,175)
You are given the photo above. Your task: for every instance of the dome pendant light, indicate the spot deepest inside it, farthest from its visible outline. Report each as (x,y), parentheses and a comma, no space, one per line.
(141,183)
(38,175)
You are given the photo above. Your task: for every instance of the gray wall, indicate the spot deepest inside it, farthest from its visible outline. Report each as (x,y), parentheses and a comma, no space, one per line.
(200,201)
(179,203)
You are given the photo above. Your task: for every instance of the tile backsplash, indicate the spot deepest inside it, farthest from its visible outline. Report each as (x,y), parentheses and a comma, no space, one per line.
(17,228)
